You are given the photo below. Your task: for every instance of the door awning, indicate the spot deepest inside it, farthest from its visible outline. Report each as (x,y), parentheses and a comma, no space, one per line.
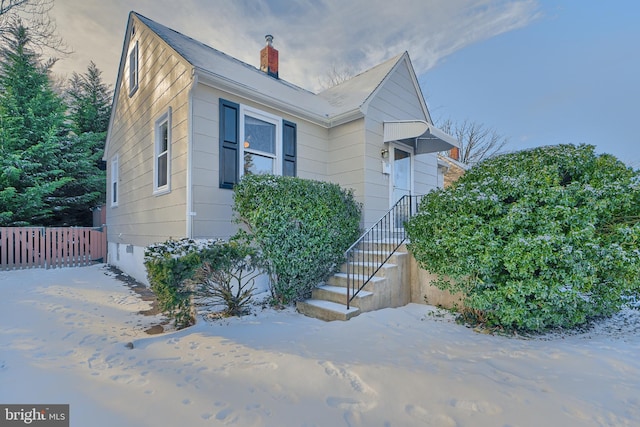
(424,137)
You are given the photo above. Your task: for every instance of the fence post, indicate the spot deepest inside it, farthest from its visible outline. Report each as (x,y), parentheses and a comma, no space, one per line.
(104,246)
(4,247)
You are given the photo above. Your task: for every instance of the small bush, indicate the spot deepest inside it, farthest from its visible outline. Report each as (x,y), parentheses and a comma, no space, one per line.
(229,283)
(302,228)
(536,239)
(171,266)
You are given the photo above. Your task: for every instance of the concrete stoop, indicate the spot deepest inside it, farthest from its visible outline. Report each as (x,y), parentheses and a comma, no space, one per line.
(387,288)
(326,310)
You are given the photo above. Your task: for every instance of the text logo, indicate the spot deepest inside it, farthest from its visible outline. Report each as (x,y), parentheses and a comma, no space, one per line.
(34,415)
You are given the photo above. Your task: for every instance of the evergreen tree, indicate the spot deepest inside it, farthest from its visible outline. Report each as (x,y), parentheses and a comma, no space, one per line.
(81,160)
(32,123)
(89,103)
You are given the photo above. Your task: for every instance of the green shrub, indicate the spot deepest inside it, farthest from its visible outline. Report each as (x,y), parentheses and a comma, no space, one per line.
(171,266)
(535,239)
(302,228)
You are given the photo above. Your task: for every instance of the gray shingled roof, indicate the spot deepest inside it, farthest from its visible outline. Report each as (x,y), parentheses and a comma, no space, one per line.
(353,93)
(346,97)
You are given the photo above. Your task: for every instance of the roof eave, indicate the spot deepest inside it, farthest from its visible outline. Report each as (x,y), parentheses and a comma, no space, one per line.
(233,87)
(116,89)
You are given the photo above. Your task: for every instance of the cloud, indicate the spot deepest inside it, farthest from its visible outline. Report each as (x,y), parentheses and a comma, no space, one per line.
(313,36)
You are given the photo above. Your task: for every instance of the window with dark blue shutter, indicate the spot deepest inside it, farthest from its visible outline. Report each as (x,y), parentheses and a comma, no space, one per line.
(258,151)
(229,144)
(289,147)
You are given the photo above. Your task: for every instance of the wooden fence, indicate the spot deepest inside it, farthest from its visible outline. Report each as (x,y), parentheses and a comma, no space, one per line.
(39,247)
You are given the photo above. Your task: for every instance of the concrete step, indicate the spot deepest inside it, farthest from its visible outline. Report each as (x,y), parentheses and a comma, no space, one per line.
(338,295)
(362,254)
(384,245)
(367,268)
(326,310)
(340,280)
(378,256)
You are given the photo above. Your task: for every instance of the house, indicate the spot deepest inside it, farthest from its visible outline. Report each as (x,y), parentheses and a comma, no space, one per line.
(188,121)
(451,167)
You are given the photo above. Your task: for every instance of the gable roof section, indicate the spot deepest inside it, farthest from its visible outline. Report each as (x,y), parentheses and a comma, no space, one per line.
(352,94)
(333,106)
(116,90)
(230,74)
(357,92)
(339,104)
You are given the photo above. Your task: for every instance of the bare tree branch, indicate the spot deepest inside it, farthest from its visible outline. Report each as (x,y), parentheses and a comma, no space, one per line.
(35,15)
(336,75)
(477,142)
(7,5)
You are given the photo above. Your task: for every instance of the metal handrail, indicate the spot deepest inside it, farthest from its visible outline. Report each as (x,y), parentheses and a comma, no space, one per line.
(374,248)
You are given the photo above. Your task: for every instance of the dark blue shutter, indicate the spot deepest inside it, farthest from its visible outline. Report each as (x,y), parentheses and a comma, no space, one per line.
(229,144)
(289,147)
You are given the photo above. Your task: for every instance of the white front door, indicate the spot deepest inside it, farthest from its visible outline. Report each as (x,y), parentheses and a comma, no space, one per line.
(401,183)
(401,173)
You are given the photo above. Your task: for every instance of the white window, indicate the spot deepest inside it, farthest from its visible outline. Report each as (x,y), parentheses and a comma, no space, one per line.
(261,134)
(114,180)
(162,163)
(133,69)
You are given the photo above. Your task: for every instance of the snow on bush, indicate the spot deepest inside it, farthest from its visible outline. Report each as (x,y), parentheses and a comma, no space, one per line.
(535,239)
(301,227)
(185,271)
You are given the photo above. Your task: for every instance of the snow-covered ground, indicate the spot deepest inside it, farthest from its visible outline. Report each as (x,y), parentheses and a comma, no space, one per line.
(64,335)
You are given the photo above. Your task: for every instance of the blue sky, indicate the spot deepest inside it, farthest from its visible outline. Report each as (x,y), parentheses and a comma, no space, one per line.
(539,72)
(570,76)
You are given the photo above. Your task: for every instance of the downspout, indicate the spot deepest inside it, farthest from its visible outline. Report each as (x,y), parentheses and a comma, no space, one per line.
(189,202)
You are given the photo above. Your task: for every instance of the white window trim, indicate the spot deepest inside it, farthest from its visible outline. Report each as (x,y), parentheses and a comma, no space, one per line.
(134,69)
(115,177)
(165,118)
(269,118)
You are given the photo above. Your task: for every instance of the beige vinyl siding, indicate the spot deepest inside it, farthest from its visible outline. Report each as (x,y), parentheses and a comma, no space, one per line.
(426,173)
(142,218)
(377,183)
(396,99)
(312,150)
(213,205)
(346,157)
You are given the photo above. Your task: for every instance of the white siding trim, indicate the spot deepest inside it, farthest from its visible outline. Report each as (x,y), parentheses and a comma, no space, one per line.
(190,140)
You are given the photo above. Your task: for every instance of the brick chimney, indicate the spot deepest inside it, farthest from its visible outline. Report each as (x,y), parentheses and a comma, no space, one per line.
(454,153)
(269,58)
